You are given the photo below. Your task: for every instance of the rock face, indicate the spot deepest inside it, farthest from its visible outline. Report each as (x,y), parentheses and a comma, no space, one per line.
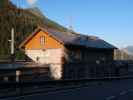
(123,54)
(129,49)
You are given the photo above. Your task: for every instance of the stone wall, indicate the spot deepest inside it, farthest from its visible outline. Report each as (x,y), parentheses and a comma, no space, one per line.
(52,57)
(47,56)
(56,71)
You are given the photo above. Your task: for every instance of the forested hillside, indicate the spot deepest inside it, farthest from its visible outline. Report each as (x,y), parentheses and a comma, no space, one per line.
(24,21)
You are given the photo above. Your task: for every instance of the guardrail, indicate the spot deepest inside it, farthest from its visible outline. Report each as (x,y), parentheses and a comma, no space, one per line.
(12,73)
(15,89)
(14,84)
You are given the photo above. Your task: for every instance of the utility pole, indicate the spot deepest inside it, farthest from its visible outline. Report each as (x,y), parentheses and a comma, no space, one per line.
(12,42)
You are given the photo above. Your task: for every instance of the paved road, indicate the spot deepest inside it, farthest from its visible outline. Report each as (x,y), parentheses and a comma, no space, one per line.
(111,90)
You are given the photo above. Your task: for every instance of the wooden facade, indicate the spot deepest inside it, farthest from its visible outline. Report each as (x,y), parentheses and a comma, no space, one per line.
(65,55)
(49,42)
(89,55)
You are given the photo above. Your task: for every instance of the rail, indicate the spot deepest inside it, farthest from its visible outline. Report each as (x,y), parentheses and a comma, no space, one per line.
(32,80)
(16,89)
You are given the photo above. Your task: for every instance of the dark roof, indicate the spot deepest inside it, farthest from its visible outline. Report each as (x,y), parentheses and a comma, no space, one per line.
(73,38)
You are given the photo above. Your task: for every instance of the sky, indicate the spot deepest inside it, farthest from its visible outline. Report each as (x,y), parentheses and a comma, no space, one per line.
(111,20)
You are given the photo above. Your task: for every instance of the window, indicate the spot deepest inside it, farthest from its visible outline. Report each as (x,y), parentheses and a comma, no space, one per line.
(42,40)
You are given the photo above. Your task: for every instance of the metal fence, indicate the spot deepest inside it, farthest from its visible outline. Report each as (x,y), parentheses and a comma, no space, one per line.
(70,71)
(91,70)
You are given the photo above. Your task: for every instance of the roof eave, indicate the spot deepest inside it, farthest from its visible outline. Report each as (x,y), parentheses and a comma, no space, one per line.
(34,33)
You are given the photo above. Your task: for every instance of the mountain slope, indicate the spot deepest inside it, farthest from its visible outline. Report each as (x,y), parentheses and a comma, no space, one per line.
(24,21)
(49,23)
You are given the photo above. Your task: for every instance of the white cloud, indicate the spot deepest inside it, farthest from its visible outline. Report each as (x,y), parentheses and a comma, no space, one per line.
(31,2)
